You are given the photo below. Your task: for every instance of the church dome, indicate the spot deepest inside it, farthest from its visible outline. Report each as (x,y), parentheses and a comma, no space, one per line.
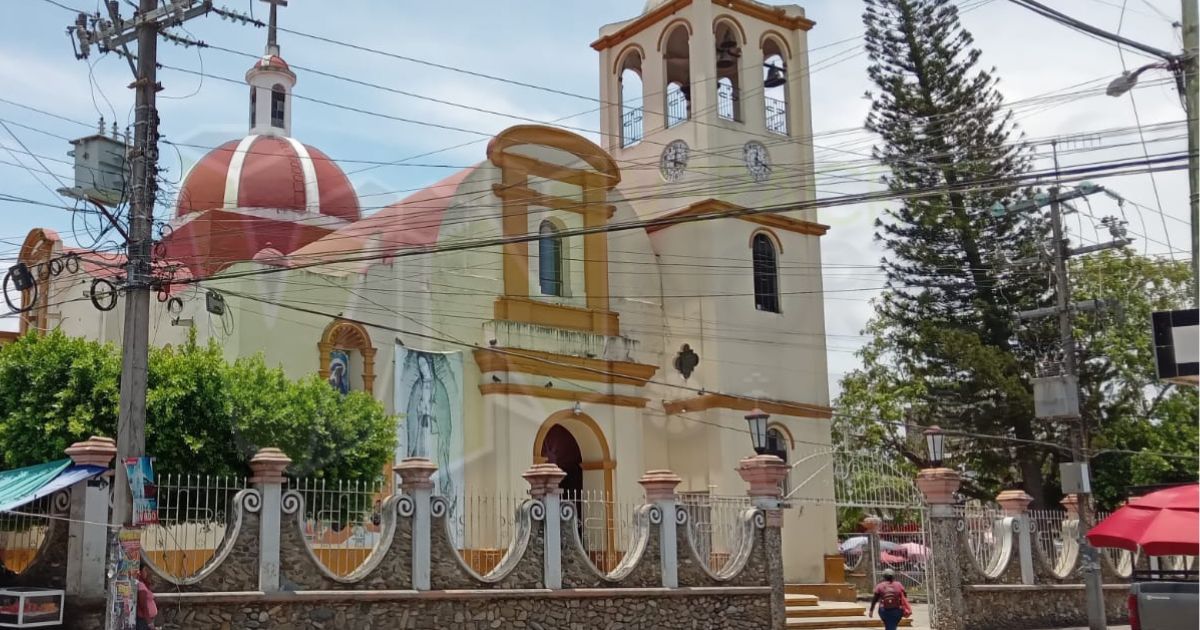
(268,172)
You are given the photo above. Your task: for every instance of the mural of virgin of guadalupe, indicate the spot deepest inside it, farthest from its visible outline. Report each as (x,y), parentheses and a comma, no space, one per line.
(429,419)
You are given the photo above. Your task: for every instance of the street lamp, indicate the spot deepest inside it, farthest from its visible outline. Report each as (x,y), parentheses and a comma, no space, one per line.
(935,443)
(757,419)
(1128,80)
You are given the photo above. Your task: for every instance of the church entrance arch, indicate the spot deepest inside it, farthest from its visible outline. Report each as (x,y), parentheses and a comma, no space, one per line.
(575,443)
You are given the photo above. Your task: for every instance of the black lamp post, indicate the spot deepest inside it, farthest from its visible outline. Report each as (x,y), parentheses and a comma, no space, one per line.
(935,443)
(757,419)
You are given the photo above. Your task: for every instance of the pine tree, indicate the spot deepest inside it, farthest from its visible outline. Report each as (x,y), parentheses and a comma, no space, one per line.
(946,317)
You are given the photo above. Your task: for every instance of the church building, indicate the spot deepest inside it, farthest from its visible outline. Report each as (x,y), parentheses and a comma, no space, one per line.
(610,307)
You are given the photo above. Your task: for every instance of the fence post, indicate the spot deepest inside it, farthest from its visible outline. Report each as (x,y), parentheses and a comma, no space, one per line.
(416,475)
(1016,505)
(764,473)
(267,468)
(543,482)
(660,490)
(939,486)
(88,542)
(871,525)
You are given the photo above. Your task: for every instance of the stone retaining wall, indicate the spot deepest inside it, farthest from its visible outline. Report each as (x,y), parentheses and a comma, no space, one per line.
(667,609)
(1019,607)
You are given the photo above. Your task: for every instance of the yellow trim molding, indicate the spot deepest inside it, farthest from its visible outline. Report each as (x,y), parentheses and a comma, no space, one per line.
(725,401)
(525,310)
(776,16)
(563,366)
(553,393)
(777,221)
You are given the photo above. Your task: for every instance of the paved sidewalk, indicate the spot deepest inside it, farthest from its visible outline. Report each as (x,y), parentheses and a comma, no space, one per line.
(921,620)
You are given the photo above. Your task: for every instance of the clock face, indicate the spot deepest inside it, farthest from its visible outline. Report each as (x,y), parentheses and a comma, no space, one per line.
(674,160)
(758,162)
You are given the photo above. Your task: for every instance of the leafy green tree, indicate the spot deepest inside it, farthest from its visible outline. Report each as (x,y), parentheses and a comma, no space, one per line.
(1128,408)
(204,414)
(945,348)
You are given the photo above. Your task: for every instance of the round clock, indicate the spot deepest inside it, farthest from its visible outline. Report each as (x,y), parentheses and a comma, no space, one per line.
(758,162)
(674,160)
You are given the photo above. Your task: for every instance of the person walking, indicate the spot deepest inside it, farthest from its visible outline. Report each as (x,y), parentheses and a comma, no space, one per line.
(147,609)
(892,601)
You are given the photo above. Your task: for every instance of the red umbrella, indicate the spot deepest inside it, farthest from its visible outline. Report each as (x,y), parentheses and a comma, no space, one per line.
(1162,523)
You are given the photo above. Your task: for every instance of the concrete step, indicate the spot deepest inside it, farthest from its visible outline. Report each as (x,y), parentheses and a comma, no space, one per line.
(825,609)
(841,623)
(800,600)
(828,591)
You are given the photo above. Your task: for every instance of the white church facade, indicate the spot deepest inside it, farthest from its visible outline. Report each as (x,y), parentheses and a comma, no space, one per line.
(613,308)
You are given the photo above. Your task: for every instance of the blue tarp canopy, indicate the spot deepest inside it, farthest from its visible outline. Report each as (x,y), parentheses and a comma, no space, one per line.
(21,486)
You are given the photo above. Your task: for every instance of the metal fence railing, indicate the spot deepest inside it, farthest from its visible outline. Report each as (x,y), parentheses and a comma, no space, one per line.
(727,101)
(631,127)
(194,513)
(605,526)
(341,520)
(22,533)
(776,111)
(677,105)
(715,525)
(985,535)
(486,525)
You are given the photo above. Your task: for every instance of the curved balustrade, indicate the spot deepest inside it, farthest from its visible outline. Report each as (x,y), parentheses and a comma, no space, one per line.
(342,522)
(990,539)
(199,517)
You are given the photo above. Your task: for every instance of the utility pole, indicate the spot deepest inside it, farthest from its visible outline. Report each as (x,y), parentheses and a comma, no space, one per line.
(1057,397)
(1191,68)
(113,33)
(1066,330)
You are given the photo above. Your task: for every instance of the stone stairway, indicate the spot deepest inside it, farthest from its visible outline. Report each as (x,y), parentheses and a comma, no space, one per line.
(807,611)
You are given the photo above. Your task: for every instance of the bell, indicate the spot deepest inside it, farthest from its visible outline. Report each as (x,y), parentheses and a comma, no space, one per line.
(725,58)
(727,53)
(775,77)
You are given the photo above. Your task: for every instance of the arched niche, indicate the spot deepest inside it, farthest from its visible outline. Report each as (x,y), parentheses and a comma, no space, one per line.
(353,338)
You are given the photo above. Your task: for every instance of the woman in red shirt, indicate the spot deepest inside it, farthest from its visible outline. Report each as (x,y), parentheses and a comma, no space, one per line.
(892,600)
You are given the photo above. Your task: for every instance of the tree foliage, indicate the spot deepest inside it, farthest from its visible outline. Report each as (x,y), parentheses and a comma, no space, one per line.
(204,414)
(944,347)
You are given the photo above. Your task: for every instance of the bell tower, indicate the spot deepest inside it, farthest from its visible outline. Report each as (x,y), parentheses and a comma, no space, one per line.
(711,97)
(705,110)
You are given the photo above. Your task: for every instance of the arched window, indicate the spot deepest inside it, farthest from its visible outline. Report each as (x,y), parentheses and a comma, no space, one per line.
(676,58)
(729,52)
(550,263)
(278,103)
(775,86)
(766,274)
(253,106)
(631,98)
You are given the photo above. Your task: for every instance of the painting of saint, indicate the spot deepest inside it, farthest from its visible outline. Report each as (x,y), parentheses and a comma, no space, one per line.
(429,403)
(339,370)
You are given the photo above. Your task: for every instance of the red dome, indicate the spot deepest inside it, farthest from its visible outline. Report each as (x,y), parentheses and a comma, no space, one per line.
(270,173)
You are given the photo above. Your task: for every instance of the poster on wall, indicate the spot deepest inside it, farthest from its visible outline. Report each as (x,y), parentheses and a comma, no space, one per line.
(429,410)
(140,473)
(339,370)
(125,556)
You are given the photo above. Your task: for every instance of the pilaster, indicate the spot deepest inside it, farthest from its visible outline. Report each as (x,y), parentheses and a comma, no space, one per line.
(87,544)
(267,468)
(416,481)
(1015,504)
(939,486)
(660,490)
(544,480)
(764,473)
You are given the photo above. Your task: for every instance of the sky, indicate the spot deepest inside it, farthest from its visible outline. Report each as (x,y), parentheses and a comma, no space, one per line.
(546,43)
